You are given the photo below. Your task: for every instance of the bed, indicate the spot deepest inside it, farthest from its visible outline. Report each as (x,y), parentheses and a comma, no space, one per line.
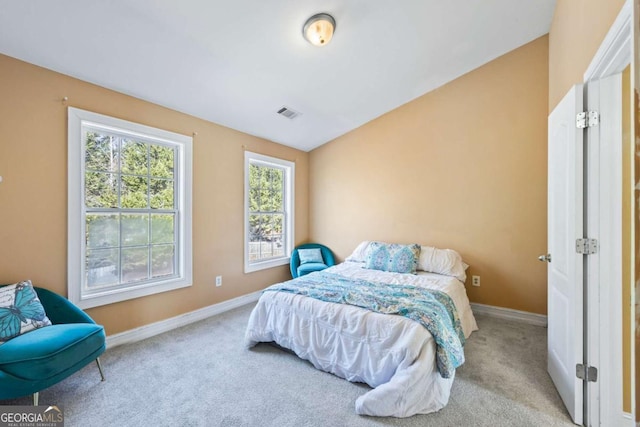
(394,355)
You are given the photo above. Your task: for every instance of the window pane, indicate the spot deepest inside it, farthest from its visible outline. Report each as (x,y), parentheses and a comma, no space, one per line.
(254,175)
(134,192)
(266,246)
(266,189)
(161,159)
(265,197)
(162,260)
(266,236)
(101,152)
(134,157)
(103,231)
(135,229)
(102,267)
(255,237)
(161,194)
(255,227)
(275,197)
(101,190)
(275,227)
(135,264)
(254,251)
(277,234)
(162,228)
(254,199)
(277,190)
(266,193)
(254,188)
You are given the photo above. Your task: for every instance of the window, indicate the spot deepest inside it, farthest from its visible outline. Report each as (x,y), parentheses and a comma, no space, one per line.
(129,225)
(268,184)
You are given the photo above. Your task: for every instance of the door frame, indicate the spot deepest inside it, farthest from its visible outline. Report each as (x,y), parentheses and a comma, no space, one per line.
(612,57)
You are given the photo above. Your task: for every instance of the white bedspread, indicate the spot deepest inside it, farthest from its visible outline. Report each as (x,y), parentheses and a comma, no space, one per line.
(392,354)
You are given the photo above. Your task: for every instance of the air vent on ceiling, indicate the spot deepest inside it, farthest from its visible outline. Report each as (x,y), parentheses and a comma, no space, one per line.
(288,113)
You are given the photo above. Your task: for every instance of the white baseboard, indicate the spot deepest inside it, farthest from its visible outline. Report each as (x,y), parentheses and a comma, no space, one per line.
(627,420)
(509,314)
(148,331)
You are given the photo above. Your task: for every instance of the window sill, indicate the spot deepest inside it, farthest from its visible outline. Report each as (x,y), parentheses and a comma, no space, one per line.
(118,295)
(263,265)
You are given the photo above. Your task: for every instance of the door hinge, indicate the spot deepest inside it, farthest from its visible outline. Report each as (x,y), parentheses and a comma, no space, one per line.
(587,373)
(587,119)
(587,246)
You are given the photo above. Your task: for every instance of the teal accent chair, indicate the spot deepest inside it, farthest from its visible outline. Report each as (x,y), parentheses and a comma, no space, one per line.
(43,357)
(298,269)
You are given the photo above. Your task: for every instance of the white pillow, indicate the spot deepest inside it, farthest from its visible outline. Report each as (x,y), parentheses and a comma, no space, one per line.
(442,261)
(359,254)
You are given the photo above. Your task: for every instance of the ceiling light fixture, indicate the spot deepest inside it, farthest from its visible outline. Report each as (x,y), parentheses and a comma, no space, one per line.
(319,29)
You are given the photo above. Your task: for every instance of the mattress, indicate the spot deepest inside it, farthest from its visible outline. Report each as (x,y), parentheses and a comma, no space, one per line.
(392,354)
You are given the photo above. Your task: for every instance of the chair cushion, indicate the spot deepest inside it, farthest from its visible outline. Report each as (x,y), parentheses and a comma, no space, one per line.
(45,352)
(310,267)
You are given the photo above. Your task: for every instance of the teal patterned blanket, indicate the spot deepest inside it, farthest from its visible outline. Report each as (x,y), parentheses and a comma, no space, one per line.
(432,309)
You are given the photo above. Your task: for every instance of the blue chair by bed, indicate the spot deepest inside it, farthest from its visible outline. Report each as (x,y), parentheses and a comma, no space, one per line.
(43,357)
(300,269)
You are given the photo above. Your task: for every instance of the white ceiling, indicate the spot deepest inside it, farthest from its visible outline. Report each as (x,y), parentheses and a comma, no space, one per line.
(237,62)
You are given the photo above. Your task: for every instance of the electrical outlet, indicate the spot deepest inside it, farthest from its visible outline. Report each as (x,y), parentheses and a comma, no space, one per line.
(218,280)
(475,280)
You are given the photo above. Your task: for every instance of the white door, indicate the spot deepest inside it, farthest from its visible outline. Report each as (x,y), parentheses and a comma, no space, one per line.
(565,269)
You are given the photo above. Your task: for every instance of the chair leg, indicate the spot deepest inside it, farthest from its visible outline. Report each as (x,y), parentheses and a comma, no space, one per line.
(100,368)
(36,397)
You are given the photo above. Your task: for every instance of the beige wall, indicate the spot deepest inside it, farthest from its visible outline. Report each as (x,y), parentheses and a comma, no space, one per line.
(577,30)
(462,167)
(33,194)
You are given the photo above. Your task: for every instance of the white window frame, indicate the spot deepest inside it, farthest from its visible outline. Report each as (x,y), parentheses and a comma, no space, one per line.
(289,207)
(76,249)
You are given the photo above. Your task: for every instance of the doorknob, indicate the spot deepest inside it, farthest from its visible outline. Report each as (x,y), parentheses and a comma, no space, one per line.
(545,258)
